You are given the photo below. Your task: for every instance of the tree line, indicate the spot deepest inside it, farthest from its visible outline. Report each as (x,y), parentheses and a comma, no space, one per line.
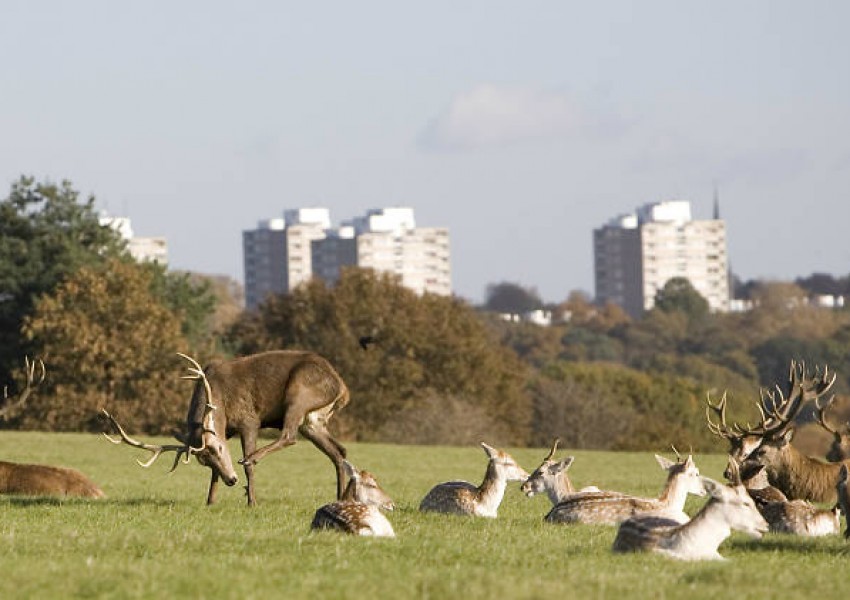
(421,369)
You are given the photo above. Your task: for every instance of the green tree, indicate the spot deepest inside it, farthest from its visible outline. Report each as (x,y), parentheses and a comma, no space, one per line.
(46,234)
(426,346)
(108,342)
(679,295)
(511,298)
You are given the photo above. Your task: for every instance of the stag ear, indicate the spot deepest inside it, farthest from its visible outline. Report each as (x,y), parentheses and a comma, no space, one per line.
(843,474)
(786,437)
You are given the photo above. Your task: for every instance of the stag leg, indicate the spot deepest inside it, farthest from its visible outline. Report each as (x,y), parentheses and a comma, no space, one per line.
(331,448)
(213,487)
(249,444)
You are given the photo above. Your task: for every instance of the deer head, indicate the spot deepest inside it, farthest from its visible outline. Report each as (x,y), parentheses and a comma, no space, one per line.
(550,475)
(363,487)
(212,452)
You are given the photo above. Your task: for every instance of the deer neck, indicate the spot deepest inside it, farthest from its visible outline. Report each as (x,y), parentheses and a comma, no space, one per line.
(491,491)
(674,494)
(560,489)
(703,534)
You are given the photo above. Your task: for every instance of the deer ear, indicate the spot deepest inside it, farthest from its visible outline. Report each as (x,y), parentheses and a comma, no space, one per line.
(350,469)
(565,464)
(715,489)
(490,450)
(787,437)
(665,463)
(843,474)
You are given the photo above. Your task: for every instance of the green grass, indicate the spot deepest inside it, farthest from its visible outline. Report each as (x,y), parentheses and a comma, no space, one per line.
(154,536)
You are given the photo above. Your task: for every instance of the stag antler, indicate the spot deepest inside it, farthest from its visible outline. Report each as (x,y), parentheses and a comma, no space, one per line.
(720,429)
(156,449)
(820,415)
(32,384)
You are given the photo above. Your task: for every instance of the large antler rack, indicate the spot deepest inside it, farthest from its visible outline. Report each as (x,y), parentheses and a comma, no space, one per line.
(777,409)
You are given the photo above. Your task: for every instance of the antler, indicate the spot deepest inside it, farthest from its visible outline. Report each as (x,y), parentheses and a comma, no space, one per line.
(777,410)
(720,429)
(31,384)
(196,372)
(820,414)
(552,451)
(155,449)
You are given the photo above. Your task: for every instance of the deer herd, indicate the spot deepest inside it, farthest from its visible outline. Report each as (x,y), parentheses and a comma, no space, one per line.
(773,486)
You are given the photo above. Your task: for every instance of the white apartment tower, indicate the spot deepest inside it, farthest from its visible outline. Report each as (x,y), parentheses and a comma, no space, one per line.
(635,255)
(142,249)
(283,253)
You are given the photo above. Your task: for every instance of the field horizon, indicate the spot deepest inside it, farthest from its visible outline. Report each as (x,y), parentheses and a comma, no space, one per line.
(154,536)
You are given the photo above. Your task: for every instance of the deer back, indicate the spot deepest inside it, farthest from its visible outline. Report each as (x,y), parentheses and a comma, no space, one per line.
(46,480)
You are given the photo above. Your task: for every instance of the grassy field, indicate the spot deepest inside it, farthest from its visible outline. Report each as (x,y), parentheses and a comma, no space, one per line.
(154,537)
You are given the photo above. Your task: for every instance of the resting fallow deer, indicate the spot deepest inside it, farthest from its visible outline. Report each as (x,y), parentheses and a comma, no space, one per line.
(843,491)
(728,508)
(464,498)
(839,450)
(611,508)
(359,510)
(796,517)
(551,477)
(40,480)
(291,390)
(798,476)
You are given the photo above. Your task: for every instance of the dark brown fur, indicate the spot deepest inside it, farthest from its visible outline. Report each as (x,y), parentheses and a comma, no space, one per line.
(45,480)
(294,391)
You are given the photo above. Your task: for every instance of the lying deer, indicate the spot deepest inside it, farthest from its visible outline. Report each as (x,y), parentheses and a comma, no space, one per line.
(797,517)
(464,498)
(843,491)
(358,511)
(611,508)
(291,390)
(728,508)
(798,476)
(551,477)
(45,480)
(40,480)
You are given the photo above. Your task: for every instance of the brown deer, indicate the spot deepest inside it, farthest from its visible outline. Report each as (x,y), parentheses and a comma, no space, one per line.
(728,508)
(358,512)
(798,476)
(40,480)
(551,477)
(843,491)
(840,448)
(291,390)
(464,498)
(796,517)
(611,508)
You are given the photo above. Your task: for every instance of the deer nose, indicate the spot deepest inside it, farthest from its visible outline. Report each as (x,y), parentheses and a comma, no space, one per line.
(231,481)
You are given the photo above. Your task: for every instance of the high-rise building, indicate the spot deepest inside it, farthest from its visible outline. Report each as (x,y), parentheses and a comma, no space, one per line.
(303,245)
(636,254)
(143,249)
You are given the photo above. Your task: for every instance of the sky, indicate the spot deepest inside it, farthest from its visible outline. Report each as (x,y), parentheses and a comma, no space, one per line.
(519,126)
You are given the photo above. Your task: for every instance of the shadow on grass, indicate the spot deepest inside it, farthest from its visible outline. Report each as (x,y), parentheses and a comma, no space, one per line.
(29,501)
(791,543)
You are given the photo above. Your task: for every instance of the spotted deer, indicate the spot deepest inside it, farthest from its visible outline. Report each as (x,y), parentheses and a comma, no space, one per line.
(843,492)
(551,477)
(839,450)
(40,480)
(291,390)
(464,498)
(611,508)
(358,512)
(796,517)
(798,476)
(728,508)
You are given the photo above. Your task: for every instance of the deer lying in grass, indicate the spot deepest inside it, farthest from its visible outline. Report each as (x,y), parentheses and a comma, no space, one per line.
(797,517)
(611,508)
(842,489)
(40,480)
(798,476)
(551,477)
(359,510)
(728,508)
(464,498)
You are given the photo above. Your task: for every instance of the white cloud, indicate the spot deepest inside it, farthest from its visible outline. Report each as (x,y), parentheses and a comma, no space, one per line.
(492,115)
